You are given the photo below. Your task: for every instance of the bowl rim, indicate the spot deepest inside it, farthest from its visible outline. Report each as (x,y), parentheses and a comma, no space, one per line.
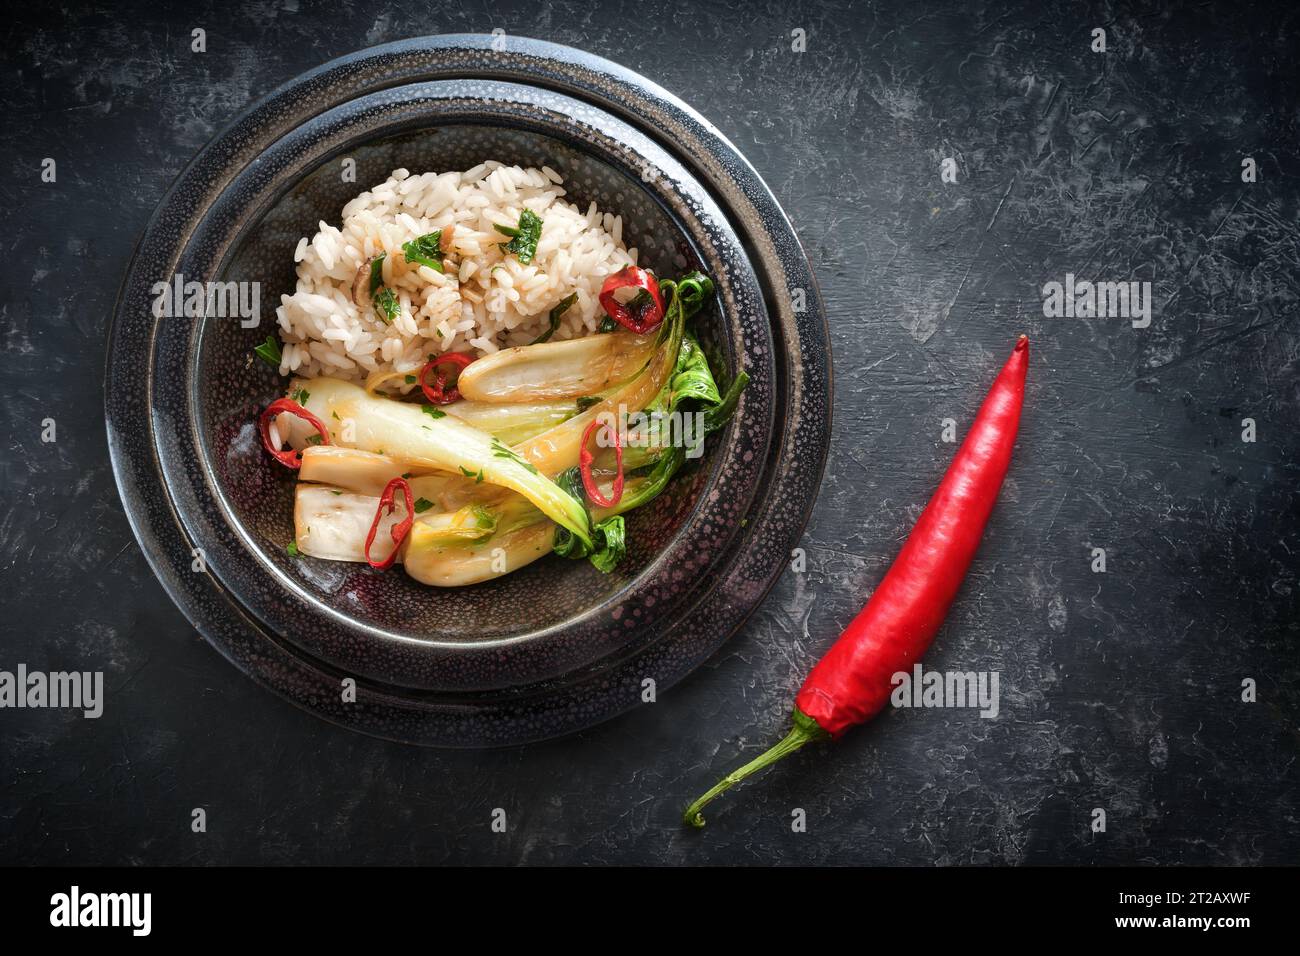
(587,637)
(395,713)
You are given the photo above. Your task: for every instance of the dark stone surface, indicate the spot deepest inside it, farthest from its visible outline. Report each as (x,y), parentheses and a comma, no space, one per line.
(1119,690)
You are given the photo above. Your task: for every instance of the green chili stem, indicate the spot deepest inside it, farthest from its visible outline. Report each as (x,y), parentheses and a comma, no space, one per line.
(805,731)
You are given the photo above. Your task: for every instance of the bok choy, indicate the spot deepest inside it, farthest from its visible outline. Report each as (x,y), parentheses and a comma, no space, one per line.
(508,472)
(549,370)
(439,441)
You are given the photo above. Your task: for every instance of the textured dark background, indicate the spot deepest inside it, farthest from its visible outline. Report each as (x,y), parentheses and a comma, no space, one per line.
(1119,690)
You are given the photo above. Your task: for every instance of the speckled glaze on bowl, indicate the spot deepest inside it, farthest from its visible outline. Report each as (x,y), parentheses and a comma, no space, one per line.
(556,646)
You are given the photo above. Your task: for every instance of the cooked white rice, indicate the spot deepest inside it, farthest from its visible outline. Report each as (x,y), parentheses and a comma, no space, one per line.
(485,301)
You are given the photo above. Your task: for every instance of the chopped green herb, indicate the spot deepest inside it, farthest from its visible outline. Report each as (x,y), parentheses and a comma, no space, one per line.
(292,549)
(387,308)
(314,440)
(426,250)
(411,379)
(407,474)
(555,316)
(501,451)
(300,395)
(269,352)
(433,411)
(377,272)
(586,401)
(336,493)
(476,475)
(505,230)
(606,325)
(524,243)
(422,505)
(336,416)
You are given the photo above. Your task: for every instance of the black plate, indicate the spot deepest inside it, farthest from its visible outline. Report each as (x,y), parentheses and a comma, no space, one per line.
(555,647)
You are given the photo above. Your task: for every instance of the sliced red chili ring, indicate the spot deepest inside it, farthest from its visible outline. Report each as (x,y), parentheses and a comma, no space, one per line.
(399,530)
(438,393)
(585,459)
(639,320)
(289,457)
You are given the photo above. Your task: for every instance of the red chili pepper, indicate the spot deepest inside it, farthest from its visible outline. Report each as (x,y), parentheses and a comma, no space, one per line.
(853,682)
(399,530)
(585,460)
(435,393)
(290,457)
(647,316)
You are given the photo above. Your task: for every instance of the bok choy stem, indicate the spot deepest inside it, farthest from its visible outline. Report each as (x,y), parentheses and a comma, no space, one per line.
(407,433)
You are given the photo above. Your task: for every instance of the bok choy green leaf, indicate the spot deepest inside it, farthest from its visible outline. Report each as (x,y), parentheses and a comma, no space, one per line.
(609,540)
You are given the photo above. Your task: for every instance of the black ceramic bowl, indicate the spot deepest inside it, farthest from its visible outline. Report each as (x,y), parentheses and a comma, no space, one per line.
(557,645)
